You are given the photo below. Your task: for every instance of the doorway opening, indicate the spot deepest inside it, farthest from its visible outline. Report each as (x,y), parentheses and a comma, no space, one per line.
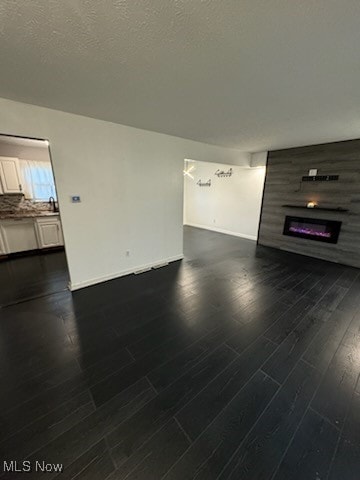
(32,252)
(223,198)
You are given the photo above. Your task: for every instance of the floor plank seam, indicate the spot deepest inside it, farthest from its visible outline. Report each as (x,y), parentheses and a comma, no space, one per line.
(31,454)
(297,324)
(181,353)
(78,364)
(183,430)
(263,412)
(308,363)
(116,372)
(272,341)
(92,399)
(46,391)
(269,376)
(33,421)
(226,405)
(316,390)
(247,434)
(110,453)
(314,339)
(85,467)
(326,419)
(339,439)
(131,355)
(81,420)
(349,405)
(298,426)
(35,297)
(231,348)
(190,400)
(151,385)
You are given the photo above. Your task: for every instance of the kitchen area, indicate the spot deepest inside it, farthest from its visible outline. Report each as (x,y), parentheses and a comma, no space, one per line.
(30,223)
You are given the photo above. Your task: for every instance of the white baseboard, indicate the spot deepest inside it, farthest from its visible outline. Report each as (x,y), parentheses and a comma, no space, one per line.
(112,276)
(221,230)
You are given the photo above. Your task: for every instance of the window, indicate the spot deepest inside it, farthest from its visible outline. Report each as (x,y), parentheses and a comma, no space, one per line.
(38,180)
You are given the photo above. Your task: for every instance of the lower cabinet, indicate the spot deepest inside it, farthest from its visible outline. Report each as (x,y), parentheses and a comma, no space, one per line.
(2,245)
(22,234)
(19,235)
(49,232)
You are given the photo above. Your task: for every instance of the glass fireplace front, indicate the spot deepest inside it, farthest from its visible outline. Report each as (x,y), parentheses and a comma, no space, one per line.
(312,228)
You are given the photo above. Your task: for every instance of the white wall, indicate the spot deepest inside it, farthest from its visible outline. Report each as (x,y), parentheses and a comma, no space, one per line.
(130,182)
(230,205)
(39,154)
(258,159)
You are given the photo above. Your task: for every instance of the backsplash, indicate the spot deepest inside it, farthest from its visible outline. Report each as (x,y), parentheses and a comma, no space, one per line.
(17,203)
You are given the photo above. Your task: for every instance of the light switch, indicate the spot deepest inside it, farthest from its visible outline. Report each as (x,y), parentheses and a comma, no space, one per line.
(313,172)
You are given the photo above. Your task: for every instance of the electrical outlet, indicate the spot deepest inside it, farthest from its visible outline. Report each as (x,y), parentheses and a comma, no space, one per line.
(214,220)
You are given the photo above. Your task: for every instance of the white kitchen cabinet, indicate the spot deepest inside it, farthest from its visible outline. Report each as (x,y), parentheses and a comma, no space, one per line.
(10,175)
(2,245)
(49,232)
(19,235)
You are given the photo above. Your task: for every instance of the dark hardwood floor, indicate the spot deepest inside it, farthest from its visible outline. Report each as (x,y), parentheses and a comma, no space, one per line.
(24,278)
(240,362)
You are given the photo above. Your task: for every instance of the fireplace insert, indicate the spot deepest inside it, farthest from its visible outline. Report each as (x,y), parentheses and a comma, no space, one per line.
(312,228)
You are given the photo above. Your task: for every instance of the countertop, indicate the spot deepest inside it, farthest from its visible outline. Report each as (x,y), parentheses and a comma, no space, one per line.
(7,215)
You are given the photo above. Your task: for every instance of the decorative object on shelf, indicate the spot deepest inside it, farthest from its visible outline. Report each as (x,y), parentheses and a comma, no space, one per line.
(220,173)
(311,205)
(336,209)
(320,178)
(204,184)
(313,172)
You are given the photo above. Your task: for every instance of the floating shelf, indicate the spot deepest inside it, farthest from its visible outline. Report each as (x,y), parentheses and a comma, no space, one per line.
(338,209)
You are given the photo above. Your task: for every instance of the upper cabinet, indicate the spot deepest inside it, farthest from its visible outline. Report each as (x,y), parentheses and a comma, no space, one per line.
(10,175)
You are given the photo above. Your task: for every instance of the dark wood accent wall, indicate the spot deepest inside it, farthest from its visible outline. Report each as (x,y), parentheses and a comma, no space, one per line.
(283,185)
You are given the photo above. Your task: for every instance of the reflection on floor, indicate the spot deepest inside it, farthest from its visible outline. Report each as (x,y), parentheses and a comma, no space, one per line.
(33,276)
(237,363)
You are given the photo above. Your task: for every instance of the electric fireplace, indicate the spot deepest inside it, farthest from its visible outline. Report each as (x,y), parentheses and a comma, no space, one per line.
(312,228)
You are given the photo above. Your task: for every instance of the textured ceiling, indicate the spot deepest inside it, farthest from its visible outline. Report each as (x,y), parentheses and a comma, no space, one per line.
(251,74)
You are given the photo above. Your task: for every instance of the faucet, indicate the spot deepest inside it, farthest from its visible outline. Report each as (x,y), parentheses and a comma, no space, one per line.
(53,205)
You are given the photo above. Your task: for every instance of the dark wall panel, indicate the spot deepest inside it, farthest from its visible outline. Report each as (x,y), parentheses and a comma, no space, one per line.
(283,185)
